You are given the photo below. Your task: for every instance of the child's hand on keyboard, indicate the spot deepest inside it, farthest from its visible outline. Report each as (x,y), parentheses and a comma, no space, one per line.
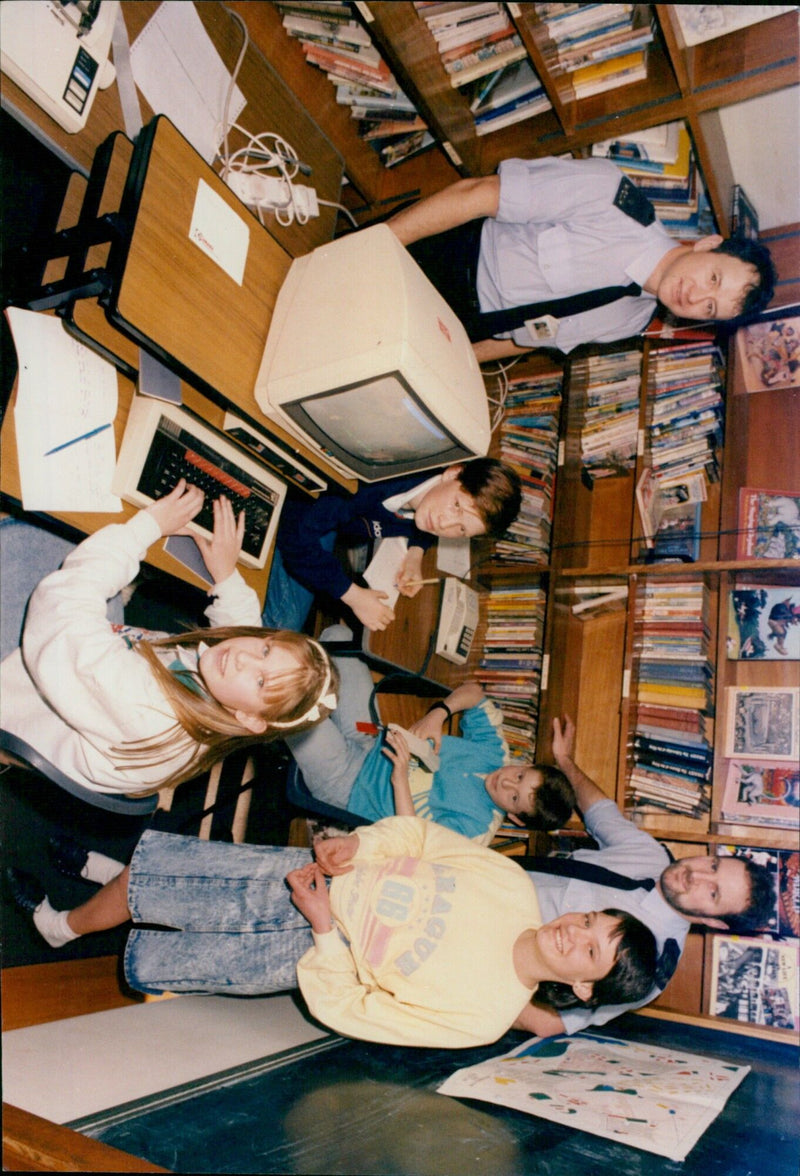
(176,509)
(221,552)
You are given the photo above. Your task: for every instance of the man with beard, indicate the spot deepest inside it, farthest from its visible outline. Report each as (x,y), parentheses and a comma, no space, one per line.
(727,893)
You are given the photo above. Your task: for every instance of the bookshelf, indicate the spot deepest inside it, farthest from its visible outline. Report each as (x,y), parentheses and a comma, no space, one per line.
(690,84)
(594,669)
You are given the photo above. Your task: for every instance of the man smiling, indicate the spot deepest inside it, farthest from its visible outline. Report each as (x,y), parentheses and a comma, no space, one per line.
(631,872)
(560,252)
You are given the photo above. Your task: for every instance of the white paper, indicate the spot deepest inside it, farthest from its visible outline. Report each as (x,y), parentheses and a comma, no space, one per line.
(64,391)
(454,557)
(384,567)
(178,69)
(219,232)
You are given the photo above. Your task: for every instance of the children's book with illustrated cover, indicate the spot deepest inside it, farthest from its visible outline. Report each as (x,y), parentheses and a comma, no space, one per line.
(657,1099)
(761,793)
(754,980)
(768,352)
(763,623)
(769,524)
(762,723)
(783,866)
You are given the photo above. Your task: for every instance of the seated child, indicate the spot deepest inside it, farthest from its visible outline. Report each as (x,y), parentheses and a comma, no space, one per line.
(480,497)
(121,710)
(473,789)
(423,938)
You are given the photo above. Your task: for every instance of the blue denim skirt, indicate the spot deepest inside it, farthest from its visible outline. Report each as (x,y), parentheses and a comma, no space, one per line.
(223,915)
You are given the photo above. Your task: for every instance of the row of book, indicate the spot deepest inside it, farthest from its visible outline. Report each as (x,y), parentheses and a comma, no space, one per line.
(661,161)
(685,413)
(484,56)
(342,48)
(510,668)
(671,749)
(594,48)
(606,389)
(529,443)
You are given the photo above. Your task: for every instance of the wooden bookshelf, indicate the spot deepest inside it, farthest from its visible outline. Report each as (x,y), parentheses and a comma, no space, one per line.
(682,83)
(592,673)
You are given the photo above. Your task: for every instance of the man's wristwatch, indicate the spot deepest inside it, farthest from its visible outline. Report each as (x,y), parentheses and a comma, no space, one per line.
(443,705)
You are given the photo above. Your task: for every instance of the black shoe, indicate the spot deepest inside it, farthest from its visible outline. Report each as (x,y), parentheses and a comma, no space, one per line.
(67,855)
(27,891)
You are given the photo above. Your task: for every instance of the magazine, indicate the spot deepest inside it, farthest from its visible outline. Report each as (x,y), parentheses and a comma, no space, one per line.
(768,352)
(763,722)
(763,623)
(754,980)
(704,22)
(769,524)
(650,1097)
(761,793)
(784,867)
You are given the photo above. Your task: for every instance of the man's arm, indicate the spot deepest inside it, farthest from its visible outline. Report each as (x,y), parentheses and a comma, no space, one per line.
(463,201)
(487,350)
(586,791)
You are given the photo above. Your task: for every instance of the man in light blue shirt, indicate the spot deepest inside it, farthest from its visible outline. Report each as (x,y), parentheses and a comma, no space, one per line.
(556,228)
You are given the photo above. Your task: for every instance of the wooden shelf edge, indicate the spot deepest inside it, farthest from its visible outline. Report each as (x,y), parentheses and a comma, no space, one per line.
(704,1021)
(34,1144)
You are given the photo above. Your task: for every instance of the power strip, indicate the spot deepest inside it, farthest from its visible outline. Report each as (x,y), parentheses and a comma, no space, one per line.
(273,192)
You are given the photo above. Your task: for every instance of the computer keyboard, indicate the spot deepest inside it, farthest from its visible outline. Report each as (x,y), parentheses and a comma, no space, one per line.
(164,443)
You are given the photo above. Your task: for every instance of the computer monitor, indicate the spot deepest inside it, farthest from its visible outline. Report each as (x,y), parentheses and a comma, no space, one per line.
(367,364)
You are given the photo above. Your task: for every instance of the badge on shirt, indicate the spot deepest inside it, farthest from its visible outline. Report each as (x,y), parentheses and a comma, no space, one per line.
(542,328)
(633,202)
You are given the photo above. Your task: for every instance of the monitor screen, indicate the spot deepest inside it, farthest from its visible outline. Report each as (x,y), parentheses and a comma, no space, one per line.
(366,363)
(377,426)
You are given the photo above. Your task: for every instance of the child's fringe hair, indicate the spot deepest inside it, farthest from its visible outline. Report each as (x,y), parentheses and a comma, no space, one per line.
(297,700)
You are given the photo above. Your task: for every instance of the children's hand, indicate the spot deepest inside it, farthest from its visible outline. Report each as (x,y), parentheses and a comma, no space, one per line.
(310,896)
(563,740)
(176,509)
(396,749)
(221,552)
(431,726)
(334,853)
(368,605)
(410,570)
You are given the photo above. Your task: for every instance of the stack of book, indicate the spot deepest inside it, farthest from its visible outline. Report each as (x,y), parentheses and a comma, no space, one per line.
(510,668)
(685,411)
(596,47)
(529,443)
(483,53)
(661,162)
(672,740)
(606,390)
(507,96)
(337,44)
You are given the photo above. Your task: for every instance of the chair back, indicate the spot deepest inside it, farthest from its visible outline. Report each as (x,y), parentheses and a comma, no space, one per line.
(29,757)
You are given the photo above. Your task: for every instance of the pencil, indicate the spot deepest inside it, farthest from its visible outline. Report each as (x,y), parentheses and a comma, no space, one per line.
(432,580)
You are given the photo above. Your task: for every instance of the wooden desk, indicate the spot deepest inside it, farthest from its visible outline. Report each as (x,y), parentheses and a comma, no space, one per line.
(86,523)
(271,106)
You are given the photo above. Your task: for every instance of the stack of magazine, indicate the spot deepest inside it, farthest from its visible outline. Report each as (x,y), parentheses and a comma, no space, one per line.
(596,47)
(483,54)
(336,43)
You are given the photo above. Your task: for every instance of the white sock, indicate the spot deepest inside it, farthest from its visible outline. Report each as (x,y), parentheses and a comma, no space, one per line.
(52,925)
(100,868)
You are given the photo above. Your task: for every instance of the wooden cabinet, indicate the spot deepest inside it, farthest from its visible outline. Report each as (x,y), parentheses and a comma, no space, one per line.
(682,83)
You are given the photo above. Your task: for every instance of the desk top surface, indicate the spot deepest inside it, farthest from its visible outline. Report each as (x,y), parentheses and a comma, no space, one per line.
(271,106)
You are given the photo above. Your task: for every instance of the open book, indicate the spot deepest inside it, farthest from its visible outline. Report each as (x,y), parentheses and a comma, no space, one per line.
(657,1099)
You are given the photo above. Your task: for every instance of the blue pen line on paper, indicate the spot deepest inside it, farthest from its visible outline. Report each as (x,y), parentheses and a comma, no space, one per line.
(75,440)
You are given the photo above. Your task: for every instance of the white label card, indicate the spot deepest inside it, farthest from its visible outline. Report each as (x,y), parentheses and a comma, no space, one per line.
(221,233)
